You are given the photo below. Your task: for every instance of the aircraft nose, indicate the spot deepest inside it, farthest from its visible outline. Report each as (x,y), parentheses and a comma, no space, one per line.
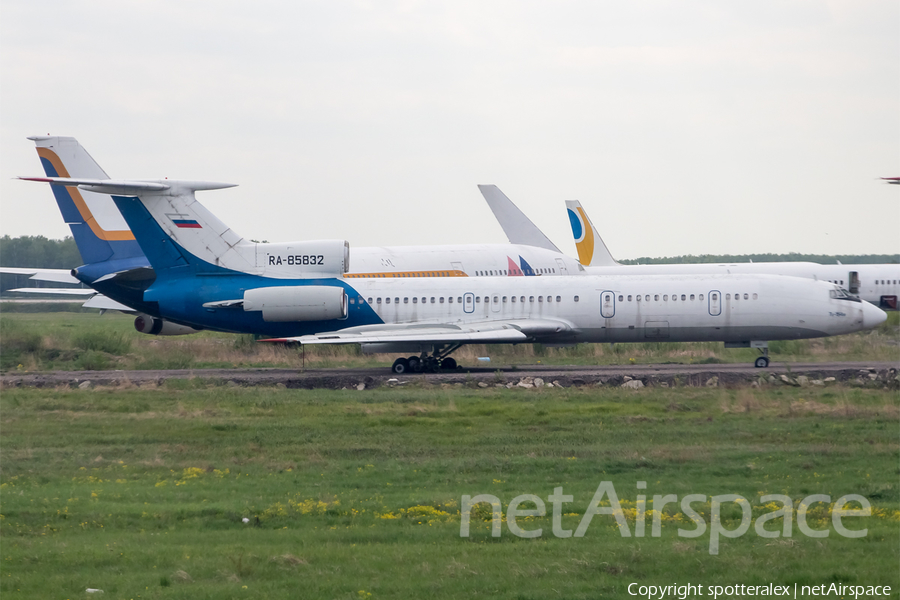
(872,316)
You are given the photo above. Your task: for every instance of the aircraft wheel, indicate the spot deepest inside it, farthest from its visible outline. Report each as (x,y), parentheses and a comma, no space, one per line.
(448,364)
(401,365)
(415,365)
(762,362)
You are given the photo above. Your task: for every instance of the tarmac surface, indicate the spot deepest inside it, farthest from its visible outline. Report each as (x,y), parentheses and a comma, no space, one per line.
(730,375)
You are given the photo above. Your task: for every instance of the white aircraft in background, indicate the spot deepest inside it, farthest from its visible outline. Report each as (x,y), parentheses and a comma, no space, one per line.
(875,283)
(206,276)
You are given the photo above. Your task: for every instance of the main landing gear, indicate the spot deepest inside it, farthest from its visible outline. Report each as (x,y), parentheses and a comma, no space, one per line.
(438,360)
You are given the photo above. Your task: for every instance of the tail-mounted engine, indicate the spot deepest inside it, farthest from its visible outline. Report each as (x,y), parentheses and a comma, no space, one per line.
(297,303)
(321,258)
(154,326)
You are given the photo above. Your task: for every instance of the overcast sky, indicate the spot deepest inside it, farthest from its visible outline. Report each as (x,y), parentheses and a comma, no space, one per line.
(686,127)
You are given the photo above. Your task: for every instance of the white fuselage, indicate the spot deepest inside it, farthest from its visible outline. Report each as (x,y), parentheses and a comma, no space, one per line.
(730,308)
(463,260)
(875,281)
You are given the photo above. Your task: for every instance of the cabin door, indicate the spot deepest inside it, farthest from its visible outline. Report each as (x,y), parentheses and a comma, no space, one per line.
(607,304)
(715,303)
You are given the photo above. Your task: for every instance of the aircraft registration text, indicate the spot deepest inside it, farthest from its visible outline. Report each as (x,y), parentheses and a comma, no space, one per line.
(297,259)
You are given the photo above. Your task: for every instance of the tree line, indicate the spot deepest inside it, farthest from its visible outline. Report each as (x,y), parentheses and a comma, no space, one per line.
(39,252)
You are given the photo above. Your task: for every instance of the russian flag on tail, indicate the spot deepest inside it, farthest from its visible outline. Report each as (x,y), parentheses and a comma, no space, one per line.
(182,223)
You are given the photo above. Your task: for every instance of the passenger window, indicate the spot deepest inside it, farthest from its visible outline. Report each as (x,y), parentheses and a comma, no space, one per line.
(378,300)
(387,300)
(415,300)
(450,299)
(424,300)
(638,298)
(629,297)
(746,296)
(683,297)
(531,298)
(549,298)
(459,300)
(540,298)
(406,301)
(576,298)
(352,300)
(728,296)
(755,296)
(469,300)
(656,297)
(478,299)
(396,300)
(692,297)
(665,297)
(522,299)
(432,299)
(558,299)
(701,297)
(496,298)
(737,296)
(513,298)
(621,297)
(715,296)
(442,299)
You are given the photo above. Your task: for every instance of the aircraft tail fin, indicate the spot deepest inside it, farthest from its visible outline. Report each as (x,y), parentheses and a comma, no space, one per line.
(100,232)
(591,249)
(176,230)
(518,228)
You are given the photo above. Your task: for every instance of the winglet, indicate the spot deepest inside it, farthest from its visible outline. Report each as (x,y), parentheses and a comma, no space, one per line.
(518,228)
(592,251)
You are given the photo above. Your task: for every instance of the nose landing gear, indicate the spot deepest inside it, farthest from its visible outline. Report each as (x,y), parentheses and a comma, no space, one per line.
(763,361)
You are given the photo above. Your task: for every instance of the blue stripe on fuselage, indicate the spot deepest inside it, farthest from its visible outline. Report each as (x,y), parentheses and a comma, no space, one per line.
(185,282)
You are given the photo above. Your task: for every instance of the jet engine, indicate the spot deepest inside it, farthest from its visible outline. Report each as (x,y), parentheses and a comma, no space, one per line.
(154,326)
(318,258)
(297,303)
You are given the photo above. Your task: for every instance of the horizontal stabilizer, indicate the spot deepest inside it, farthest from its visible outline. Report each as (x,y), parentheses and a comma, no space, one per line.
(131,187)
(61,291)
(54,275)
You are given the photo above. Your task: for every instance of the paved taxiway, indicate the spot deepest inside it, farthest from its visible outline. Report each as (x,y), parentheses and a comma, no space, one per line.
(868,373)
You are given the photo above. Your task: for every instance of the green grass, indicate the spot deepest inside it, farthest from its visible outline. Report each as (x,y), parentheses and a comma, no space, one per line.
(76,341)
(142,492)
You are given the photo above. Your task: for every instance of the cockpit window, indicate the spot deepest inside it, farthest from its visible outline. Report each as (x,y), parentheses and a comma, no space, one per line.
(842,294)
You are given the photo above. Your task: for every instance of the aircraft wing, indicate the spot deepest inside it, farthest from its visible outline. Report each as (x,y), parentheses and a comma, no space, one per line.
(518,228)
(488,332)
(55,275)
(106,303)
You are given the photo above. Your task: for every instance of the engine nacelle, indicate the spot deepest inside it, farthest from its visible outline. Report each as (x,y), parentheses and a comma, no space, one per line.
(154,326)
(319,258)
(297,303)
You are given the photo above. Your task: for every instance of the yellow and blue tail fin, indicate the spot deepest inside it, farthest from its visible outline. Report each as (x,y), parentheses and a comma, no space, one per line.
(592,252)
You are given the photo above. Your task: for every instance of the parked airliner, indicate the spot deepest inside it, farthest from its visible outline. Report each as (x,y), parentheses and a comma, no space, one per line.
(116,267)
(209,277)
